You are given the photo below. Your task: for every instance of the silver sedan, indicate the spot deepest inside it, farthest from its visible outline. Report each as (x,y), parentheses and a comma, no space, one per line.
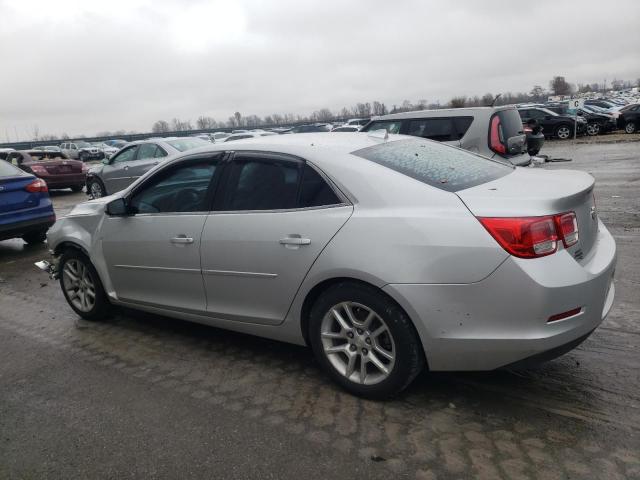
(385,254)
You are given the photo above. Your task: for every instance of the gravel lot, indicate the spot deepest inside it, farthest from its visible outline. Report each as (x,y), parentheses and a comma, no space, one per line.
(143,396)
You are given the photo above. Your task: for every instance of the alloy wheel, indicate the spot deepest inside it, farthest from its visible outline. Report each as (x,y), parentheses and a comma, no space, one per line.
(95,189)
(630,127)
(78,285)
(358,343)
(563,133)
(593,129)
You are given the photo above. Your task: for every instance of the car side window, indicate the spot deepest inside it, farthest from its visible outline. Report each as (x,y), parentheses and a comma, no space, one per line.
(73,146)
(146,150)
(125,155)
(440,129)
(461,125)
(314,191)
(177,190)
(537,114)
(262,184)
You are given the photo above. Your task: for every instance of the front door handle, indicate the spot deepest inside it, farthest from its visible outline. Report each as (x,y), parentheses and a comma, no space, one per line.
(181,239)
(295,240)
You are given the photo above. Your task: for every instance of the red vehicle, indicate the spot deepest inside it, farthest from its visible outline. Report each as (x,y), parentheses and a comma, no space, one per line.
(58,170)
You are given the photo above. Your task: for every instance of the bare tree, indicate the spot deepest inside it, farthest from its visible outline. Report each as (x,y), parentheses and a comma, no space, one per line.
(238,119)
(559,86)
(537,93)
(161,126)
(458,102)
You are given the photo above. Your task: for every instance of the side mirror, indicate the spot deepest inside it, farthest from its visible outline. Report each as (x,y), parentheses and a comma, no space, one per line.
(118,208)
(105,161)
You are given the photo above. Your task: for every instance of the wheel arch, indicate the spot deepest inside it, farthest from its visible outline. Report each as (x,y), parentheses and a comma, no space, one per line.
(314,293)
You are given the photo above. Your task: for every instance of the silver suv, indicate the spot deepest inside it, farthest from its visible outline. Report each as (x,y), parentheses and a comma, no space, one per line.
(489,131)
(133,161)
(81,150)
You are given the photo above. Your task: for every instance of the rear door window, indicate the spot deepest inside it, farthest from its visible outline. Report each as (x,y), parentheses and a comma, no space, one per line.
(440,166)
(461,125)
(315,191)
(146,150)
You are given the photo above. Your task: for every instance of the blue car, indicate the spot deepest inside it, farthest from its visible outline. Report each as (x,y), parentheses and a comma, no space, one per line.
(25,207)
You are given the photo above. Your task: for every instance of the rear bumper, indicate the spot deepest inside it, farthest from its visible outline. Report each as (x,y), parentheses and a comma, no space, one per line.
(504,318)
(64,180)
(19,229)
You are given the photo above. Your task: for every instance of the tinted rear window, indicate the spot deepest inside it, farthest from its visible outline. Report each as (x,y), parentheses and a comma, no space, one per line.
(437,165)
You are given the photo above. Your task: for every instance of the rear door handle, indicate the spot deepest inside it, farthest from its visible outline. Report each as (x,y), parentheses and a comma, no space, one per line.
(181,239)
(295,240)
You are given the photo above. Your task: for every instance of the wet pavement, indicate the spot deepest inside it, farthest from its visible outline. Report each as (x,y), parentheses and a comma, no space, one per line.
(143,396)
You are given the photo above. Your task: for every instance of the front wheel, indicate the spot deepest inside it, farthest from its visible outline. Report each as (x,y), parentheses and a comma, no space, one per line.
(563,132)
(630,127)
(593,129)
(82,287)
(95,189)
(364,341)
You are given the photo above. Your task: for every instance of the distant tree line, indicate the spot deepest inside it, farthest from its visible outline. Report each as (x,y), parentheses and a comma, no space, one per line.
(558,85)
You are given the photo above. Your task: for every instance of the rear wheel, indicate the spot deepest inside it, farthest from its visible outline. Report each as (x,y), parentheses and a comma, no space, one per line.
(630,127)
(96,189)
(563,132)
(77,188)
(364,341)
(35,237)
(82,287)
(593,129)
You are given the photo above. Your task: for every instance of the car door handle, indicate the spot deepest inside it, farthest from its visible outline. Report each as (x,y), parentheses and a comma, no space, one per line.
(297,241)
(181,239)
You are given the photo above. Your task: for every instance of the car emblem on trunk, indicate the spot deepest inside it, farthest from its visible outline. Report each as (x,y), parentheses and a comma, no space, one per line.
(594,214)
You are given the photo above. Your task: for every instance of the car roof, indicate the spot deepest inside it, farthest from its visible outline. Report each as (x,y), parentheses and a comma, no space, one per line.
(444,112)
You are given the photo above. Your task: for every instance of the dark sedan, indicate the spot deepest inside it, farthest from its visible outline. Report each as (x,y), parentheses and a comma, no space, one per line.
(55,168)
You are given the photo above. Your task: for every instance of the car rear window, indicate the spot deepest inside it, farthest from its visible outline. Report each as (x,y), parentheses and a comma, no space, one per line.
(440,166)
(8,170)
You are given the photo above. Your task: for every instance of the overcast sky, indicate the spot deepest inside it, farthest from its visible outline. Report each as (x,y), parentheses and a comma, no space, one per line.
(85,66)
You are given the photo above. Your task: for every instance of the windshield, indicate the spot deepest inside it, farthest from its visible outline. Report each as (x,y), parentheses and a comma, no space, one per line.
(184,144)
(549,112)
(435,164)
(82,144)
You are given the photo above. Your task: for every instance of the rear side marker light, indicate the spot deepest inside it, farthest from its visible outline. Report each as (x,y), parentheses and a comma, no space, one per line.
(37,185)
(563,315)
(533,237)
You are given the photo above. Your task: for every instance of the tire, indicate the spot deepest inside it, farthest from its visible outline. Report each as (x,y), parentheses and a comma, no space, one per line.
(593,129)
(95,188)
(79,282)
(34,238)
(396,338)
(630,127)
(563,132)
(77,188)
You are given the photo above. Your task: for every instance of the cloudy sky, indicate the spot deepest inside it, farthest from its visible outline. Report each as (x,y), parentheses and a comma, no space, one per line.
(85,66)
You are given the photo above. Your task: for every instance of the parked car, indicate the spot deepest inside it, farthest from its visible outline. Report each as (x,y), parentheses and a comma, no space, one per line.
(133,161)
(383,255)
(80,150)
(242,136)
(53,167)
(346,128)
(4,152)
(553,125)
(312,128)
(115,143)
(359,122)
(26,210)
(220,136)
(629,118)
(597,122)
(490,131)
(109,150)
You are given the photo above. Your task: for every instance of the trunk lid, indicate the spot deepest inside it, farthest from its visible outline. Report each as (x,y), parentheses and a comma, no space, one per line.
(531,192)
(13,195)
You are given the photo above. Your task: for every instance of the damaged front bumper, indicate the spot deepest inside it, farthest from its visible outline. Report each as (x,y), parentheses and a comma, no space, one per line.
(50,267)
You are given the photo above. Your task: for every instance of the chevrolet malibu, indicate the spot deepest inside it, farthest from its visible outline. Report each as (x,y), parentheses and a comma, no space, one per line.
(384,253)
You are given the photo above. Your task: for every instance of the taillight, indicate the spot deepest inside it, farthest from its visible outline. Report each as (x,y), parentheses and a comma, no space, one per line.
(533,237)
(567,224)
(38,169)
(495,133)
(38,185)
